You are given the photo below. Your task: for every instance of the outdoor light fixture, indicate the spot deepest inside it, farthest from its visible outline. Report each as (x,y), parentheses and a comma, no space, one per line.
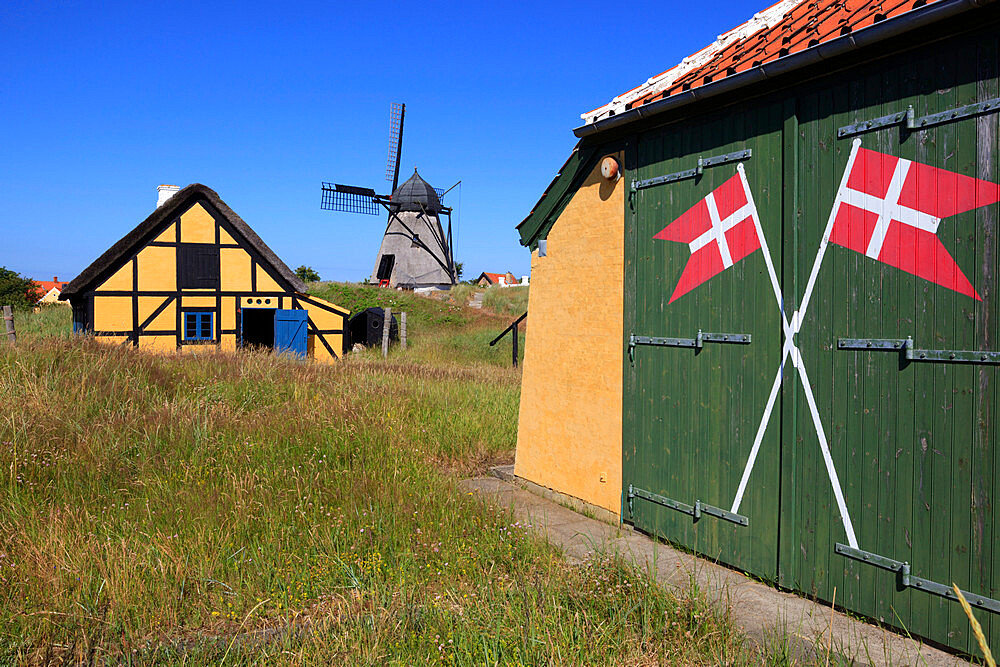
(609,169)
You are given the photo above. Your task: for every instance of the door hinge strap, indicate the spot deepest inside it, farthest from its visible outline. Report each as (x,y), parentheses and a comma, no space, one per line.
(691,173)
(907,580)
(696,511)
(913,123)
(696,343)
(910,353)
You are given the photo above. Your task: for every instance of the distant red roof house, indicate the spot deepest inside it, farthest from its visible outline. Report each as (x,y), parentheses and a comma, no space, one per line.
(50,289)
(783,29)
(485,279)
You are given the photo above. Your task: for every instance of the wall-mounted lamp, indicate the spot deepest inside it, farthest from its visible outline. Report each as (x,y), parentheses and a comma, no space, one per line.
(609,169)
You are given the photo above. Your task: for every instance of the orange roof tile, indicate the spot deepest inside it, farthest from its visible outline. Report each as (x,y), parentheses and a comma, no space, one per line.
(785,28)
(45,285)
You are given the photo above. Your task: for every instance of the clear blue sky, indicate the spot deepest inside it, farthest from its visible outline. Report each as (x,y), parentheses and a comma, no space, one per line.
(261,102)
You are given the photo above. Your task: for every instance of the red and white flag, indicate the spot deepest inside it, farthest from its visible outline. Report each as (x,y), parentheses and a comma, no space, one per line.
(721,229)
(889,209)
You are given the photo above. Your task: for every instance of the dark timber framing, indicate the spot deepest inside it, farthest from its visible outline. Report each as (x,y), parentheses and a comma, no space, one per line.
(83,291)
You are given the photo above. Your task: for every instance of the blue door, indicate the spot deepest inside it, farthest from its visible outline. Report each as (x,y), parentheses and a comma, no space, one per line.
(290,331)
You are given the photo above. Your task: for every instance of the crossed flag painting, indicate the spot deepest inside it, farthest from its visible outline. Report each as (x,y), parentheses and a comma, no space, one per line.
(720,230)
(888,209)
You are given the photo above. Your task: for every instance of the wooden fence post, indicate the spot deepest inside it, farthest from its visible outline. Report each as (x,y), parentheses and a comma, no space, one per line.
(514,346)
(8,319)
(402,329)
(386,325)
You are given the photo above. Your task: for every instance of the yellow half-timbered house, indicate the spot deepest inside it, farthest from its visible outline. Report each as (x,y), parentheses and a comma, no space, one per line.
(193,274)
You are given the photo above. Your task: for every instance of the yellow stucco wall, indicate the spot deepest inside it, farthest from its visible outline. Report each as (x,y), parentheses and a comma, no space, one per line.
(157,268)
(197,225)
(265,283)
(235,266)
(121,280)
(168,235)
(112,313)
(570,424)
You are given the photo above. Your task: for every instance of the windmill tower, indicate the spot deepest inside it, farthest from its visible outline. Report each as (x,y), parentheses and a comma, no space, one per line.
(416,251)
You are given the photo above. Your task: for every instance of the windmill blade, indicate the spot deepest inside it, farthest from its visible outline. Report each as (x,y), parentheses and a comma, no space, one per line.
(441,192)
(396,113)
(349,199)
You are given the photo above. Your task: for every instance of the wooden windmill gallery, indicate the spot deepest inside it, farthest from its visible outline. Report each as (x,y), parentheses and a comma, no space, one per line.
(416,251)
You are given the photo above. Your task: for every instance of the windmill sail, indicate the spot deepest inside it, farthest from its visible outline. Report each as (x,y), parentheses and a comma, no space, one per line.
(349,199)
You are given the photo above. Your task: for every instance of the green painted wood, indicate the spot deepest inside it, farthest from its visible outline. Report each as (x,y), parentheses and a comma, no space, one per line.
(692,445)
(914,444)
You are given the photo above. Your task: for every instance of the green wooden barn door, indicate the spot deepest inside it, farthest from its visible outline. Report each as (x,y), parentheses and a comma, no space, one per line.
(890,457)
(694,405)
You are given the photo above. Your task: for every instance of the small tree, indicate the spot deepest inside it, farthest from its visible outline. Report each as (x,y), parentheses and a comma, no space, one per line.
(21,293)
(459,267)
(307,274)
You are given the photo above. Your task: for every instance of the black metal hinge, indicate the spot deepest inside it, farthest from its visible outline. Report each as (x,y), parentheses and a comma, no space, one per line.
(907,580)
(905,347)
(696,343)
(696,171)
(696,511)
(913,123)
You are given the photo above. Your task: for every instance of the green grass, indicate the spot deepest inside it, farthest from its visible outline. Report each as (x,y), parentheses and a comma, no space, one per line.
(440,331)
(506,300)
(158,508)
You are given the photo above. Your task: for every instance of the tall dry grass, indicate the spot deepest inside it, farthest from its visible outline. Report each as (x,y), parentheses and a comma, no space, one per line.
(253,508)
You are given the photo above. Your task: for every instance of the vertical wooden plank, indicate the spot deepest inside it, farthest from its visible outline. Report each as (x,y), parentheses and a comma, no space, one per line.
(923,377)
(984,550)
(868,461)
(790,517)
(902,446)
(629,395)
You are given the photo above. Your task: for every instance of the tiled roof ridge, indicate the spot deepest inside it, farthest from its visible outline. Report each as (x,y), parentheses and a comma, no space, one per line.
(766,18)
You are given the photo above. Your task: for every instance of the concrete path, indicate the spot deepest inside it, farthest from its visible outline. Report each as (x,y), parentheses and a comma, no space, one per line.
(760,610)
(477,300)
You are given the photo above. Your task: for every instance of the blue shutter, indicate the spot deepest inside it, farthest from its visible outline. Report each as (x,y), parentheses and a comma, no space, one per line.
(290,331)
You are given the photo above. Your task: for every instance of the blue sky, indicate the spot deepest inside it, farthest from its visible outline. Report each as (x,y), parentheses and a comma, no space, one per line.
(262,102)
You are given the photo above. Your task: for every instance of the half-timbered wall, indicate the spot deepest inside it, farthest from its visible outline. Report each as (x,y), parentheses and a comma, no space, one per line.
(198,262)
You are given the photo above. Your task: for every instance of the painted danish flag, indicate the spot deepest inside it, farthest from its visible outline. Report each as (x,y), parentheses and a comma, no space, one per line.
(889,209)
(721,229)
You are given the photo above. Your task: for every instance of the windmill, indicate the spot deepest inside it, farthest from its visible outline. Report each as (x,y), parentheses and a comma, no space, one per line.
(416,252)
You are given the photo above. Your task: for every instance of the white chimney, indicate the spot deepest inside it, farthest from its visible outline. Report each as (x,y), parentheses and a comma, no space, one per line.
(165,192)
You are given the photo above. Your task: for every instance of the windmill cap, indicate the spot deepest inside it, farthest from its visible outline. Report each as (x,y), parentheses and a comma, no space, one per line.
(416,194)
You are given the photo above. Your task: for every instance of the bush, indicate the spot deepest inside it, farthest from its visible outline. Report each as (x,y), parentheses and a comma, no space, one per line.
(17,291)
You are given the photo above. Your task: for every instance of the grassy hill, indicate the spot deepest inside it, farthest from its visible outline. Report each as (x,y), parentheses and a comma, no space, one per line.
(157,508)
(440,331)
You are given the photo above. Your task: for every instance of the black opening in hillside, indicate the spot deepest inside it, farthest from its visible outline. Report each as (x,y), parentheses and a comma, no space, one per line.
(258,327)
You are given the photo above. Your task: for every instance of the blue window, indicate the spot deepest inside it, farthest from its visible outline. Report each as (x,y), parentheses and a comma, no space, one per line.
(199,326)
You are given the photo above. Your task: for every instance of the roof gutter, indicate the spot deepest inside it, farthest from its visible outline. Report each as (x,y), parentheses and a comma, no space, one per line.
(911,20)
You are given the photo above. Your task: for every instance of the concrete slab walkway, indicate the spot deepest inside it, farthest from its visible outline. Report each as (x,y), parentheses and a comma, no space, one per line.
(763,612)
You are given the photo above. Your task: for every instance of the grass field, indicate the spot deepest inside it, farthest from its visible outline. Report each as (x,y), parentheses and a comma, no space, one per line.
(254,509)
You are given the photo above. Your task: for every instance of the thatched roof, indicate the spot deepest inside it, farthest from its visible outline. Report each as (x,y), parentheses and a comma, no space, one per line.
(148,229)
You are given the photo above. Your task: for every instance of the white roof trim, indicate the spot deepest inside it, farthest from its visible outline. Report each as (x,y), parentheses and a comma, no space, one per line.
(760,20)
